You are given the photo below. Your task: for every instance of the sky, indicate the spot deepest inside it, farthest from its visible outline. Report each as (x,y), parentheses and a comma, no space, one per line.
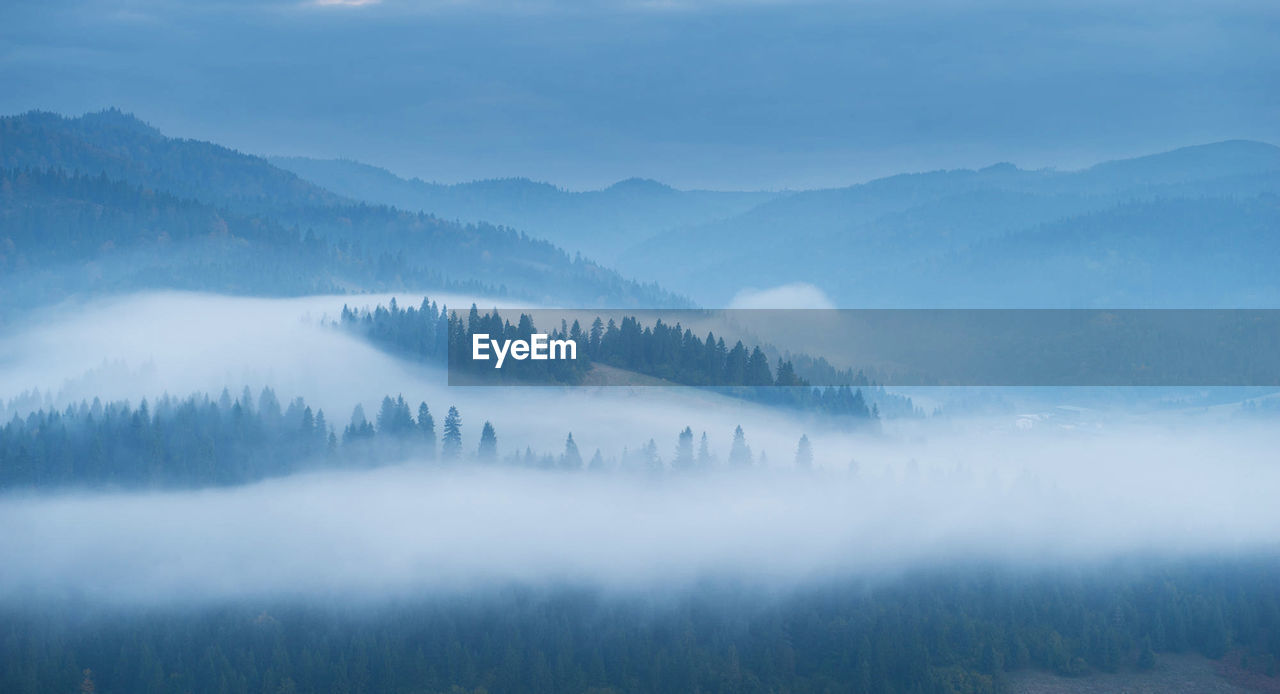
(699,94)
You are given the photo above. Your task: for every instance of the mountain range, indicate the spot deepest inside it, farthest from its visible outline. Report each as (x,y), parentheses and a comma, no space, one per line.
(106,202)
(598,223)
(1188,227)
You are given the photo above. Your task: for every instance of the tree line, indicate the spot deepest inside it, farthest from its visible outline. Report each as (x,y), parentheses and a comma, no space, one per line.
(431,332)
(201,441)
(930,632)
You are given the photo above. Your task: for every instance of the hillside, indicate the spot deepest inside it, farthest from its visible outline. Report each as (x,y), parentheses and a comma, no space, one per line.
(194,183)
(127,149)
(63,235)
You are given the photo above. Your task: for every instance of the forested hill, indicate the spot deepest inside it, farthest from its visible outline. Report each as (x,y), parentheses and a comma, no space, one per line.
(111,182)
(62,234)
(670,354)
(127,149)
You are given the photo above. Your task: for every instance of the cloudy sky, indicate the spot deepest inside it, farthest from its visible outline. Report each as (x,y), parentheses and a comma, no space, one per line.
(695,93)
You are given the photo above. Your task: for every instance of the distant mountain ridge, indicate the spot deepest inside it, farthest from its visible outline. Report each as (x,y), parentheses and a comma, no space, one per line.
(1193,226)
(381,247)
(918,239)
(598,223)
(894,241)
(126,148)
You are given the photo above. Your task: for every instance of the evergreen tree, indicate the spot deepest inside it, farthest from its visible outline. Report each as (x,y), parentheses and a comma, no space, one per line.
(488,451)
(704,453)
(787,375)
(427,430)
(269,407)
(650,459)
(451,443)
(804,454)
(321,429)
(571,459)
(394,418)
(739,451)
(757,370)
(359,428)
(597,463)
(597,332)
(684,451)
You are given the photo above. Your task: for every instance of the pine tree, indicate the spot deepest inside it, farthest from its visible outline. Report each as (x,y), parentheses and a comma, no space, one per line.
(739,451)
(787,375)
(597,461)
(597,332)
(684,451)
(488,451)
(427,430)
(387,416)
(269,407)
(757,369)
(394,418)
(572,459)
(649,455)
(804,454)
(321,428)
(704,453)
(359,428)
(451,444)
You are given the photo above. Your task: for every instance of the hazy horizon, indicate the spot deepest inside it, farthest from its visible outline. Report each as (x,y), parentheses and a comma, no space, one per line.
(715,95)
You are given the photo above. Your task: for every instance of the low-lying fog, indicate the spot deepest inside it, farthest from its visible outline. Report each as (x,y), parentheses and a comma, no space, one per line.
(402,529)
(1010,488)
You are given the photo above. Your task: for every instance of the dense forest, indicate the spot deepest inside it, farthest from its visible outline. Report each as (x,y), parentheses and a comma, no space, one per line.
(201,441)
(959,631)
(64,233)
(433,333)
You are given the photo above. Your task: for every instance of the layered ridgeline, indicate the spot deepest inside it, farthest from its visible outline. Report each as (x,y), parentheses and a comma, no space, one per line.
(64,233)
(104,202)
(599,223)
(1193,227)
(625,352)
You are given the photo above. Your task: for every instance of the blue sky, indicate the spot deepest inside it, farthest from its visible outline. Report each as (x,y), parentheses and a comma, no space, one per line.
(697,94)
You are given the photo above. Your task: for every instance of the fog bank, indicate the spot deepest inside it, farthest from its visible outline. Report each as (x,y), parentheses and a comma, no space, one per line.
(415,529)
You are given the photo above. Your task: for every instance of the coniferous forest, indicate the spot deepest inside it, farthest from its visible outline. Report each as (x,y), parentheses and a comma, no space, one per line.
(433,333)
(201,441)
(964,632)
